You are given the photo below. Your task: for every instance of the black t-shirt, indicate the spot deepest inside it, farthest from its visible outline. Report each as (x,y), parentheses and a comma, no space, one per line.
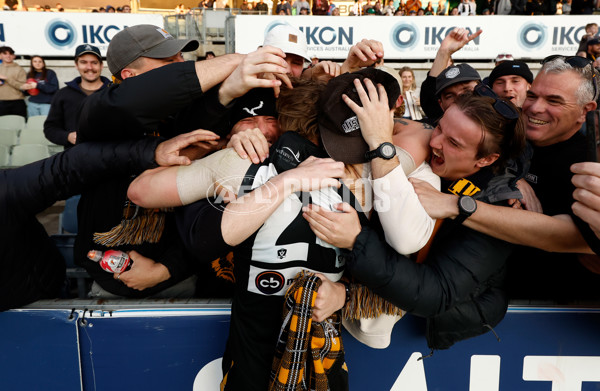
(550,173)
(537,274)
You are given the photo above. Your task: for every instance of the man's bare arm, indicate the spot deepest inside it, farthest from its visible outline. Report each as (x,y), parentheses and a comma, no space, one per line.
(549,233)
(214,71)
(453,42)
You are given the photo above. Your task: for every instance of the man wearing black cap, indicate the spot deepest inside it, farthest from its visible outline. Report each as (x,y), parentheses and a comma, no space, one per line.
(593,49)
(63,119)
(511,80)
(453,80)
(256,110)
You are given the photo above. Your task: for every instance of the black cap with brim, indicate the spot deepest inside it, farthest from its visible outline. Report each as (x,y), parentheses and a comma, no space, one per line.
(87,49)
(143,40)
(455,74)
(338,125)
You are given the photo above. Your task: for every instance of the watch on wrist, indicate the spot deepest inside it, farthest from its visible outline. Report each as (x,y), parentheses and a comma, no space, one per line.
(385,151)
(347,288)
(466,207)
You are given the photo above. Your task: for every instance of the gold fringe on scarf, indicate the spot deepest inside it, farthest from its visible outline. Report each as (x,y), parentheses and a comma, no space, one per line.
(139,225)
(366,304)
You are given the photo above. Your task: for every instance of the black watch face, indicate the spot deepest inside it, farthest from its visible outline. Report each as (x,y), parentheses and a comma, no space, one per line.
(468,204)
(388,150)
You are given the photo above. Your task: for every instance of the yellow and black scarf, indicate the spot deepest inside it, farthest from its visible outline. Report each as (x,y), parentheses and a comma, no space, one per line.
(292,368)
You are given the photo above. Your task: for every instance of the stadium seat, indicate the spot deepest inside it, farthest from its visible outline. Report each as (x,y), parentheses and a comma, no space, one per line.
(4,155)
(67,220)
(9,137)
(28,153)
(33,136)
(65,244)
(12,122)
(36,122)
(54,149)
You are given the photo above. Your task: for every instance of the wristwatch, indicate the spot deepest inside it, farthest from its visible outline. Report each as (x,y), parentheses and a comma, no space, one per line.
(466,207)
(385,151)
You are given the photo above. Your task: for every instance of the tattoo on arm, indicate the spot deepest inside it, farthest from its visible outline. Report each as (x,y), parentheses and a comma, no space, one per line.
(400,121)
(427,126)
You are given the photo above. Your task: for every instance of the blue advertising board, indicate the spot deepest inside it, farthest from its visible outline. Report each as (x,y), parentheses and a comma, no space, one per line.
(172,348)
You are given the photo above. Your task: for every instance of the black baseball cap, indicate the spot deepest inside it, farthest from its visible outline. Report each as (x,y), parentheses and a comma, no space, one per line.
(517,68)
(338,125)
(143,40)
(85,49)
(258,101)
(593,41)
(455,74)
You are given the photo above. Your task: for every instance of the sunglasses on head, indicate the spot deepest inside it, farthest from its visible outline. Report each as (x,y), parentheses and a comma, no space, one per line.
(577,62)
(501,106)
(504,57)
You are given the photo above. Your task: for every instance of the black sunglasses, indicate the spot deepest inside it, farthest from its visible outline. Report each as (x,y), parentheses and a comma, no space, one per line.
(501,106)
(577,62)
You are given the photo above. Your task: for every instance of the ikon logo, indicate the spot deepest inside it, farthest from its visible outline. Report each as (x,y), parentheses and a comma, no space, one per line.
(269,282)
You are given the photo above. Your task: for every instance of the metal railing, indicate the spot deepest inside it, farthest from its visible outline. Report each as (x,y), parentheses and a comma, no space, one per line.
(207,25)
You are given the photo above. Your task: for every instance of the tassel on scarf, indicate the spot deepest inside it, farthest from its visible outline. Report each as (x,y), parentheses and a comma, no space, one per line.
(366,304)
(138,226)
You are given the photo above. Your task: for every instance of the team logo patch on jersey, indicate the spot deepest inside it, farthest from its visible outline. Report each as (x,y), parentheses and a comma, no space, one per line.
(270,282)
(281,253)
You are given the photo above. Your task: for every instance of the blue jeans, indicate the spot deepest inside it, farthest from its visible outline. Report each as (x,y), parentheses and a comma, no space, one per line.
(37,109)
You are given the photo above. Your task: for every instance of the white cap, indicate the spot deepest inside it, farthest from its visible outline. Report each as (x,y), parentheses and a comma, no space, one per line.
(373,332)
(289,39)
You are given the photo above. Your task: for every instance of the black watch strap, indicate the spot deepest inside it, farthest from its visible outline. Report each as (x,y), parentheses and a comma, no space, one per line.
(385,150)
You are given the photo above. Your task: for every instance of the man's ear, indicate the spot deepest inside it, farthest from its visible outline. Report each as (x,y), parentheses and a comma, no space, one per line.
(488,160)
(127,72)
(399,101)
(585,109)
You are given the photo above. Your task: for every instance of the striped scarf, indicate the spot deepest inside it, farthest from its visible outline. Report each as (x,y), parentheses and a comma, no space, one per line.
(292,369)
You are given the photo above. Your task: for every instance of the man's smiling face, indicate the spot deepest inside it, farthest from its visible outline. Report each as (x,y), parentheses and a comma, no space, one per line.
(551,109)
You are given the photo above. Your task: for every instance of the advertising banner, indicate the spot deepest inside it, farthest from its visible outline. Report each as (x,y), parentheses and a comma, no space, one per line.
(532,349)
(419,38)
(58,34)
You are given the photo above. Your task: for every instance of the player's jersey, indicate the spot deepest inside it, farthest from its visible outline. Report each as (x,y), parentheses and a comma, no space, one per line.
(266,263)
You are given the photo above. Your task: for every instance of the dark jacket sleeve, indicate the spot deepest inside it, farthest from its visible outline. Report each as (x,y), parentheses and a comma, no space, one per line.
(454,268)
(205,112)
(30,189)
(138,105)
(429,102)
(54,125)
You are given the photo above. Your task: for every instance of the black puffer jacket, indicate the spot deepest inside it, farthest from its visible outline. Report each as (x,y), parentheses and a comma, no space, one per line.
(31,266)
(459,287)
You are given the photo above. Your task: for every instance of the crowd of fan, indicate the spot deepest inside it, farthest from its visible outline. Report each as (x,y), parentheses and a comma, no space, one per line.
(514,217)
(370,7)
